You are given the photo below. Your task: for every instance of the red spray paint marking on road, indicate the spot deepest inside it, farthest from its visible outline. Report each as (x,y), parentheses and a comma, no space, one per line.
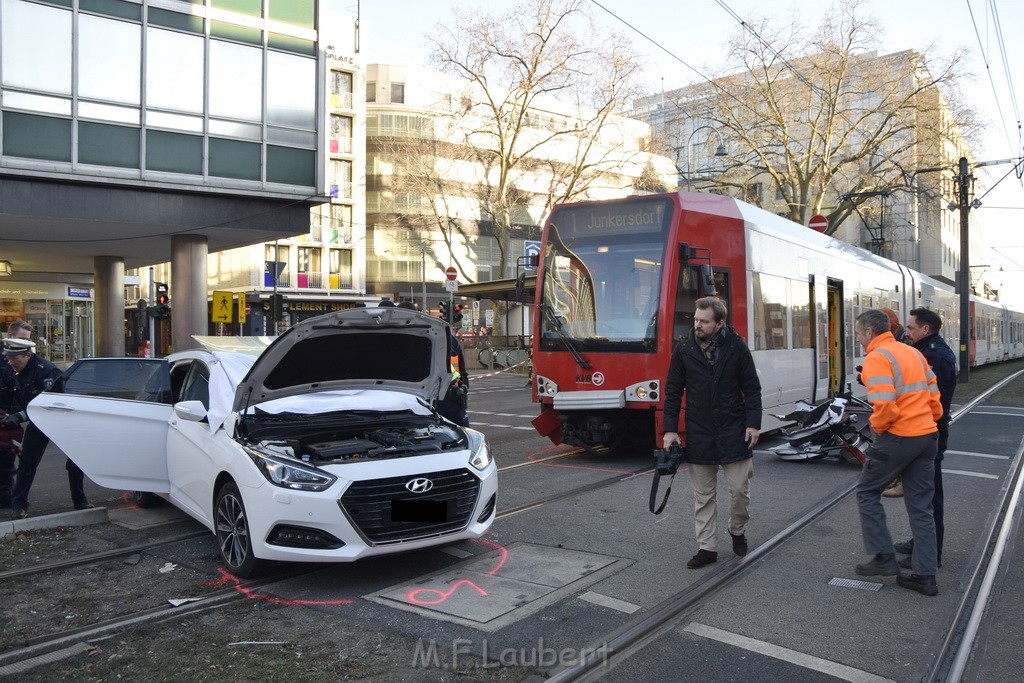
(227,578)
(412,596)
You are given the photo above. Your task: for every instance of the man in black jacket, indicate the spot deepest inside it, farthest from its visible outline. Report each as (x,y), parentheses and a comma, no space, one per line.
(723,419)
(923,326)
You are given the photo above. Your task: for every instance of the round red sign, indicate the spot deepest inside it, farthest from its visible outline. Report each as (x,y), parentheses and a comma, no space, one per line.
(451,273)
(818,223)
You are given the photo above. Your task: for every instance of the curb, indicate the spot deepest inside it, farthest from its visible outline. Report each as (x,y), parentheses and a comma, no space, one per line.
(97,515)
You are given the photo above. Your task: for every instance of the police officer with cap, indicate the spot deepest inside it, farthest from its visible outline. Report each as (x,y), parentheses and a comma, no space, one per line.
(24,376)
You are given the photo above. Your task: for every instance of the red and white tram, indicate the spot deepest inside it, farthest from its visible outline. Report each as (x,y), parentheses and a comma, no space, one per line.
(616,288)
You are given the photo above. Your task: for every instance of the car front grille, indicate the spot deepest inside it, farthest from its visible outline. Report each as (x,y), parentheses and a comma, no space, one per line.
(369,505)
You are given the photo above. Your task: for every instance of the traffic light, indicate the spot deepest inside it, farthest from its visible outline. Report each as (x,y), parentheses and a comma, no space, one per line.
(162,296)
(278,306)
(450,313)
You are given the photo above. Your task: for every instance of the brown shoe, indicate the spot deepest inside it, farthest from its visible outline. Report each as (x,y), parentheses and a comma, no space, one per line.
(895,490)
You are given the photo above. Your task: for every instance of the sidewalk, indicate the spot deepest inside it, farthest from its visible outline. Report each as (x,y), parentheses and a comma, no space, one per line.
(95,515)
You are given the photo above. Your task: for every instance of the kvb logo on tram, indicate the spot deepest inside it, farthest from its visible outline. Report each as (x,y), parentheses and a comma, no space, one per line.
(596,378)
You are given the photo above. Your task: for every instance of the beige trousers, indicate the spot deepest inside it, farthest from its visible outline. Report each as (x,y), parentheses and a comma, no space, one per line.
(704,479)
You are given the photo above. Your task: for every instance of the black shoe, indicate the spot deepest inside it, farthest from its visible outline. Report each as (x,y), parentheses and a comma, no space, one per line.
(20,513)
(904,547)
(84,506)
(702,559)
(739,544)
(904,563)
(883,564)
(925,585)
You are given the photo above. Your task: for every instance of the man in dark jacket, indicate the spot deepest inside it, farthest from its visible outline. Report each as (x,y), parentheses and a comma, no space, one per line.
(723,419)
(923,326)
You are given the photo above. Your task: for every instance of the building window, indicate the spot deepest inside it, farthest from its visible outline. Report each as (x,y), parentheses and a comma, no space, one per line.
(341,90)
(236,81)
(341,269)
(341,224)
(398,93)
(341,134)
(108,145)
(30,62)
(36,137)
(371,91)
(174,152)
(291,90)
(234,159)
(308,272)
(752,194)
(340,176)
(174,71)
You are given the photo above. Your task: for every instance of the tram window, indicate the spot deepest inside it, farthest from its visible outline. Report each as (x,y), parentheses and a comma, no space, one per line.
(771,327)
(800,306)
(687,293)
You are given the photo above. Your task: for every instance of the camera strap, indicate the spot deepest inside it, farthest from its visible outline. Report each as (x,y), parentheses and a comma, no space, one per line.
(654,492)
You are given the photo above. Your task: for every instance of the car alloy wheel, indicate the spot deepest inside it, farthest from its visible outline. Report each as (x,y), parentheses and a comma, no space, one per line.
(232,528)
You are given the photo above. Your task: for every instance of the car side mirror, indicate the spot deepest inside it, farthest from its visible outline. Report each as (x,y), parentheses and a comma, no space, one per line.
(192,411)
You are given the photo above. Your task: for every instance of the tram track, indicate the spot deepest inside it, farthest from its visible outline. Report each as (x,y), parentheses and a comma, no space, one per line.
(628,640)
(43,646)
(617,646)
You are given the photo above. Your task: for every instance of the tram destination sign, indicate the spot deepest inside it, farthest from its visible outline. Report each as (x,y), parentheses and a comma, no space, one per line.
(640,216)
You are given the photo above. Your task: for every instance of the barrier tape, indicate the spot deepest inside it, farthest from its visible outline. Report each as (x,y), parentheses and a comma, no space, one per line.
(498,372)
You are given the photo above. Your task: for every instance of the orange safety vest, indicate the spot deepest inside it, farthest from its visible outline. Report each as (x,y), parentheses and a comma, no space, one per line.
(902,388)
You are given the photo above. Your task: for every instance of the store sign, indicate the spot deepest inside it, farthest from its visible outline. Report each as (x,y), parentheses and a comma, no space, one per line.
(79,293)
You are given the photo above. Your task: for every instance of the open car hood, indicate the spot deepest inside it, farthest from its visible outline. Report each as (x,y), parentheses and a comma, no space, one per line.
(391,349)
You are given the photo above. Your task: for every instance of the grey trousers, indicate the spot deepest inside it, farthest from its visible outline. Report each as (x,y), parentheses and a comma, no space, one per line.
(913,458)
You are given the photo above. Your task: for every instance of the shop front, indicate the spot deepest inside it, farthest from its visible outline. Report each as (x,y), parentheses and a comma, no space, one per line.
(62,315)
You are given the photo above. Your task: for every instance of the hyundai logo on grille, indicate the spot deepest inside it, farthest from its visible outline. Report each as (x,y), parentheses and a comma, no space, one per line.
(420,485)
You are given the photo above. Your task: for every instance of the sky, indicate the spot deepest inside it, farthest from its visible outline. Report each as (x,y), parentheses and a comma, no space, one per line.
(680,37)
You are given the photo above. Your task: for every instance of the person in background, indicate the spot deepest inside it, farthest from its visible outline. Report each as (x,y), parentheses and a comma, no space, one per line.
(723,419)
(453,405)
(904,396)
(26,375)
(895,487)
(923,327)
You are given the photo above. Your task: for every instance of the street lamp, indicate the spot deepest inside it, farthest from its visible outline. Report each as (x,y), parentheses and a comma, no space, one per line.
(721,151)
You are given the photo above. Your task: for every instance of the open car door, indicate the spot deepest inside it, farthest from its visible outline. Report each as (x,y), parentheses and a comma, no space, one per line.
(110,416)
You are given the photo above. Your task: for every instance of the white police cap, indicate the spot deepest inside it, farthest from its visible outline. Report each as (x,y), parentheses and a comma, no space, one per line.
(14,347)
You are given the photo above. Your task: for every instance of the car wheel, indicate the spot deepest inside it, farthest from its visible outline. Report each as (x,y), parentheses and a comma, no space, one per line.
(147,500)
(232,528)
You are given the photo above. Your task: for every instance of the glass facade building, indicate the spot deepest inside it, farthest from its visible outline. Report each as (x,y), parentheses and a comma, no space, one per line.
(222,93)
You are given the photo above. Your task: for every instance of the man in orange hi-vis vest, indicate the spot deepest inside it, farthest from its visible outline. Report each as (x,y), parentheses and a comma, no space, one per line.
(904,393)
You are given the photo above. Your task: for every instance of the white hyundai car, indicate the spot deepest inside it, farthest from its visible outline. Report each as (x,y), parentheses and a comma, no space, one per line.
(325,447)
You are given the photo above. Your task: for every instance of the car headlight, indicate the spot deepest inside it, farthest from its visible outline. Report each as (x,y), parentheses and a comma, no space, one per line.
(290,474)
(479,452)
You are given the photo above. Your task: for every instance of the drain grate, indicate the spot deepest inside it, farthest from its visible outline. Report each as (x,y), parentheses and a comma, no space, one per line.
(854,583)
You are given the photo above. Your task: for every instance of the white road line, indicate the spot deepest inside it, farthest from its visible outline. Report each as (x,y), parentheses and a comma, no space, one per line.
(970,474)
(610,602)
(979,455)
(841,671)
(476,424)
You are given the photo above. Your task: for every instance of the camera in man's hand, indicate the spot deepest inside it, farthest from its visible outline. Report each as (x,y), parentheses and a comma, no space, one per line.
(666,460)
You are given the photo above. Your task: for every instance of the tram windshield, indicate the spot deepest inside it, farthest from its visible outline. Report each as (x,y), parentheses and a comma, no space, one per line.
(602,276)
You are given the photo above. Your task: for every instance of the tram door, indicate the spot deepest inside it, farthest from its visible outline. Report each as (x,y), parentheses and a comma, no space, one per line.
(826,322)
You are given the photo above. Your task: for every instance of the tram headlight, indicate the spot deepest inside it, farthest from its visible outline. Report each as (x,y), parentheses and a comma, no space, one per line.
(545,387)
(647,391)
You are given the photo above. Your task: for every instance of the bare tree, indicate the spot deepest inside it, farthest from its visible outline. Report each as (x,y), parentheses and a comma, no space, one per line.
(823,122)
(514,67)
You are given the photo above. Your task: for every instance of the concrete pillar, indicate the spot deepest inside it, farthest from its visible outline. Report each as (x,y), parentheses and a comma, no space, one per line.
(108,323)
(188,290)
